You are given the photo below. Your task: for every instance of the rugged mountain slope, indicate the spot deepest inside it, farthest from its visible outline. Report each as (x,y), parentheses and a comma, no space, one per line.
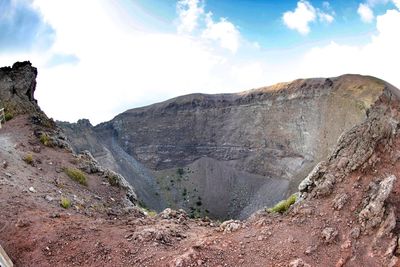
(347,215)
(254,147)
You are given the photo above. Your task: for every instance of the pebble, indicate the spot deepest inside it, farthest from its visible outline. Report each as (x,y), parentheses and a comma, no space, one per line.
(55,215)
(48,198)
(310,250)
(31,189)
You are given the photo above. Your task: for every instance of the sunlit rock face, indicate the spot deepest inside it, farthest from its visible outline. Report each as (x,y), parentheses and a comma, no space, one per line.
(229,155)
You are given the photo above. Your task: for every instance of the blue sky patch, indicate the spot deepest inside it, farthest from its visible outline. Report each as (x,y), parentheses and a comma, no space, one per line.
(22,27)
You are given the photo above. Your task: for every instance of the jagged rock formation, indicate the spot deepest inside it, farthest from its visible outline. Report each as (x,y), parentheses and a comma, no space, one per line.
(18,84)
(363,165)
(230,153)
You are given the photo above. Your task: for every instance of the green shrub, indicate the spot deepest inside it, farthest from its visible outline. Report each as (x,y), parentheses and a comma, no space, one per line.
(8,116)
(146,210)
(76,175)
(151,213)
(195,213)
(284,205)
(180,171)
(65,202)
(142,205)
(113,180)
(28,158)
(198,202)
(45,140)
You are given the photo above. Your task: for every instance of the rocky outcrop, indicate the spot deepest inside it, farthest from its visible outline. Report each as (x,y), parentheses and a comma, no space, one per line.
(89,164)
(371,215)
(361,150)
(269,138)
(17,87)
(356,148)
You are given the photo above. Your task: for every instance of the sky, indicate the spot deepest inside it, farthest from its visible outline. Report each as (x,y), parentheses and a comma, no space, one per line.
(98,58)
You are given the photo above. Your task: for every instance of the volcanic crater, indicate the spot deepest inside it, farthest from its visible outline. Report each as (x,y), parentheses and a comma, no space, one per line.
(228,155)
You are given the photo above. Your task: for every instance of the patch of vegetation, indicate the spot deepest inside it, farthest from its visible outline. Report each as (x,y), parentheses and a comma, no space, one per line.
(28,158)
(113,180)
(151,213)
(65,202)
(8,116)
(45,140)
(180,171)
(195,213)
(184,193)
(283,205)
(76,175)
(198,202)
(141,204)
(146,210)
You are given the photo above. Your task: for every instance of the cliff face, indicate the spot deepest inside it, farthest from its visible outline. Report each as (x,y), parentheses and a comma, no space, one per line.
(228,155)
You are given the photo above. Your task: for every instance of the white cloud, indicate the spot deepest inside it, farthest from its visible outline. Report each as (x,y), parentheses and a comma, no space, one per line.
(325,17)
(366,13)
(222,31)
(300,18)
(304,14)
(365,10)
(189,12)
(248,73)
(192,16)
(378,58)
